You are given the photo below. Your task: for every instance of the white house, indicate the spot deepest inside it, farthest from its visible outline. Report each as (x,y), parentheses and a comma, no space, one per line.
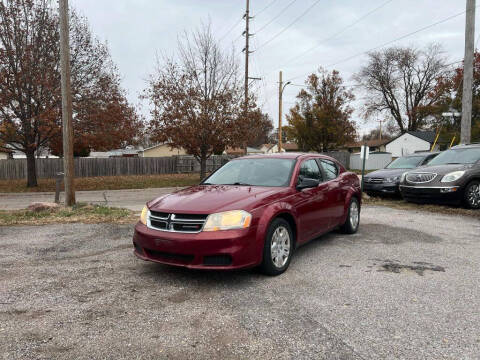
(411,142)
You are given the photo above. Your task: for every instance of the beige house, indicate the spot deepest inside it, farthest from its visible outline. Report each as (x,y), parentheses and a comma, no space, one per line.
(162,150)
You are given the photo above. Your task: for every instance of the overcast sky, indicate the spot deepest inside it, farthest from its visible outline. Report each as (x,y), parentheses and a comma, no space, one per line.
(138,29)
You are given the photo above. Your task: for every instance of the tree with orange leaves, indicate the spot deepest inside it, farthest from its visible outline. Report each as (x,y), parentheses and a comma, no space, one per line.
(30,101)
(321,119)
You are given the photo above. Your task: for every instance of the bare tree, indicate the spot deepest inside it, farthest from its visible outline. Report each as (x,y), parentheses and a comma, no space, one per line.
(198,103)
(403,82)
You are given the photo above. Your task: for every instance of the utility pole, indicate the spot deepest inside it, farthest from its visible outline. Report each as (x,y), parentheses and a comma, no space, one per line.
(380,121)
(280,104)
(68,166)
(466,129)
(247,51)
(281,87)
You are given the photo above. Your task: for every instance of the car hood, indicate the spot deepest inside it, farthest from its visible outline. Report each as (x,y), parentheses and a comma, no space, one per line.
(208,199)
(384,173)
(442,169)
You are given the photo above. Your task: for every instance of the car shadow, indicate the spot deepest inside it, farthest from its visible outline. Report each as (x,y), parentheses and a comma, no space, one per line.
(209,277)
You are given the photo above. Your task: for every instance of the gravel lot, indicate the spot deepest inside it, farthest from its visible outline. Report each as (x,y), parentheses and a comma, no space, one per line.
(407,286)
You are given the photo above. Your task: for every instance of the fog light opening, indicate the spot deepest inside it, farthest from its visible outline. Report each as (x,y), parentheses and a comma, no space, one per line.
(448,190)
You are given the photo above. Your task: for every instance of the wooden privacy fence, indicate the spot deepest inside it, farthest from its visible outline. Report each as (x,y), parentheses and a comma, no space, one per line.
(91,167)
(341,156)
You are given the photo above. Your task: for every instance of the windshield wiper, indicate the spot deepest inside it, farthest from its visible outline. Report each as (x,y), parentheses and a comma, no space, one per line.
(206,183)
(240,183)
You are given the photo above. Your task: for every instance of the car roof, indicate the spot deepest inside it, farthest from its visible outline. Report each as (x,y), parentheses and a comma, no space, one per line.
(285,155)
(423,153)
(467,146)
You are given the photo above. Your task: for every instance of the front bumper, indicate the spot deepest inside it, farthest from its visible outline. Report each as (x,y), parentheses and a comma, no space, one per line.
(383,188)
(432,194)
(230,249)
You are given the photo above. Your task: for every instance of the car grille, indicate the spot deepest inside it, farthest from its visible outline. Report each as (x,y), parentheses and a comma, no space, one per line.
(374,180)
(161,255)
(185,223)
(419,178)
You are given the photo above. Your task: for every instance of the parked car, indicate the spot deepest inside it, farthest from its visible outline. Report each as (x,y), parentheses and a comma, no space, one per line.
(452,177)
(386,181)
(254,210)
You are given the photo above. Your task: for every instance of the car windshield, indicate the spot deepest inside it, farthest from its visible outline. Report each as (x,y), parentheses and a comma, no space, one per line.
(457,156)
(254,172)
(409,162)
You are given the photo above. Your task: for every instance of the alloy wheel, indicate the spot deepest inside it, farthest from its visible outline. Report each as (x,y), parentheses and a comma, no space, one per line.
(354,214)
(473,195)
(280,246)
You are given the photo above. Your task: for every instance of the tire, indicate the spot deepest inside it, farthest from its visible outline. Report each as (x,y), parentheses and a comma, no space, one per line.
(472,195)
(350,226)
(279,233)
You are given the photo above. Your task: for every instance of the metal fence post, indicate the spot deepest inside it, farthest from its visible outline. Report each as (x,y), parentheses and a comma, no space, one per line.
(58,184)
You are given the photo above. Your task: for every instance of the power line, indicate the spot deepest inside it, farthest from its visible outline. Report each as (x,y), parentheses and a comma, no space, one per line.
(289,25)
(339,32)
(272,20)
(231,29)
(277,16)
(389,42)
(266,7)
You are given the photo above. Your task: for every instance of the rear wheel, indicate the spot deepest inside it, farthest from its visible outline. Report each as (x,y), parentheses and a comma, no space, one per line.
(278,248)
(472,195)
(351,224)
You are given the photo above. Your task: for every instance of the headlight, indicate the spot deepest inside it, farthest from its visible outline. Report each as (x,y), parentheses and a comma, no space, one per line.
(228,220)
(392,179)
(143,217)
(453,176)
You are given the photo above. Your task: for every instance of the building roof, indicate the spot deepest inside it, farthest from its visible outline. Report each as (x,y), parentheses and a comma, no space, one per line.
(428,136)
(157,145)
(370,143)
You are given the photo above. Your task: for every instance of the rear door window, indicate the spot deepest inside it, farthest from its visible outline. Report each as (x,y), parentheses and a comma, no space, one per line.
(330,169)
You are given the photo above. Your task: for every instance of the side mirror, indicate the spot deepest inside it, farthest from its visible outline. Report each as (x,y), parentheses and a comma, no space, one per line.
(306,183)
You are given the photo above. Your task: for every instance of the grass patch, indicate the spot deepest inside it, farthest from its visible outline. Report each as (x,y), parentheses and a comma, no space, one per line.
(106,183)
(401,204)
(89,214)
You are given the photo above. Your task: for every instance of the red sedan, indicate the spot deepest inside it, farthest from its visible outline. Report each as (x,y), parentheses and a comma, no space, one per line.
(254,210)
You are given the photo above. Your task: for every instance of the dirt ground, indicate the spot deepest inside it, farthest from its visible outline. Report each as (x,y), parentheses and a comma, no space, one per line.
(407,286)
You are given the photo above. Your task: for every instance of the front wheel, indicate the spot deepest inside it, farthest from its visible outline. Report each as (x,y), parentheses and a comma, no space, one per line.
(278,248)
(472,195)
(351,224)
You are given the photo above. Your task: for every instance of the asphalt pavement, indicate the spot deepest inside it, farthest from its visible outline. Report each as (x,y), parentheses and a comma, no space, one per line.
(407,286)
